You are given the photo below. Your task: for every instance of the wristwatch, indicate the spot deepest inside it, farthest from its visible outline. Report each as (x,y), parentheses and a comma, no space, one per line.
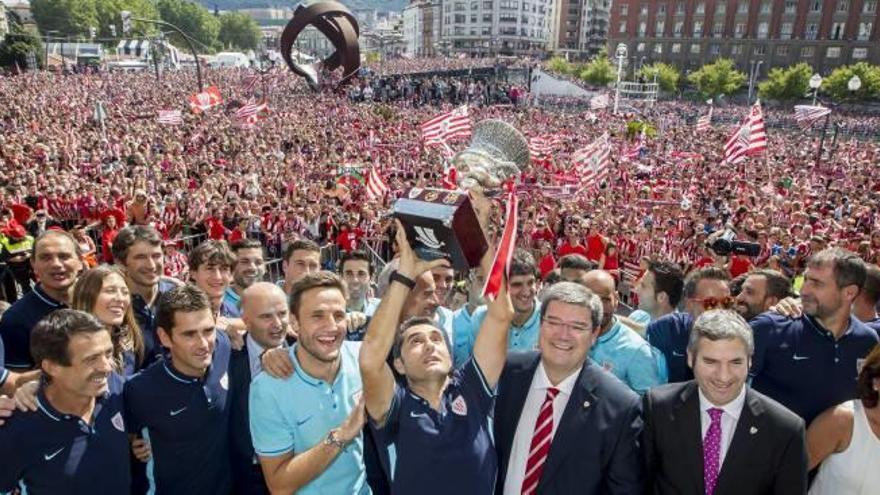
(396,276)
(332,440)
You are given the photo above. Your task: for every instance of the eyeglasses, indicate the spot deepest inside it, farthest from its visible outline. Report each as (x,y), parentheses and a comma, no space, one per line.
(708,303)
(556,323)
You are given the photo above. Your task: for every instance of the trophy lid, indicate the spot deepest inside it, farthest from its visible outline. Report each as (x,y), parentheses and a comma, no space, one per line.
(497,153)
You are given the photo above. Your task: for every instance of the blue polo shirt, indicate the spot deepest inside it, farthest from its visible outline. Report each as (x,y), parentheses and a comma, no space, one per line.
(873,325)
(445,451)
(520,338)
(294,414)
(669,334)
(49,452)
(17,323)
(185,421)
(146,320)
(800,364)
(230,306)
(630,358)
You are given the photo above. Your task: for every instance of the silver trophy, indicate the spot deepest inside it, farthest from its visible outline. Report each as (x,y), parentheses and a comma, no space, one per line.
(496,154)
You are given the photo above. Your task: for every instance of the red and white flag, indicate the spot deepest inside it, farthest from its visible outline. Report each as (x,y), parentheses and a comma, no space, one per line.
(376,188)
(450,178)
(447,126)
(705,121)
(205,100)
(500,271)
(599,102)
(748,139)
(757,133)
(542,147)
(807,115)
(593,161)
(251,113)
(249,82)
(170,117)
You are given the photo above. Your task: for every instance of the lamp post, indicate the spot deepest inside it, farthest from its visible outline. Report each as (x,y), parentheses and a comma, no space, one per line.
(126,18)
(620,53)
(853,85)
(753,76)
(815,82)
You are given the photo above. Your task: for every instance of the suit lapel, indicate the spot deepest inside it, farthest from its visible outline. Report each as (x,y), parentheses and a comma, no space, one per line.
(513,398)
(580,406)
(746,434)
(686,417)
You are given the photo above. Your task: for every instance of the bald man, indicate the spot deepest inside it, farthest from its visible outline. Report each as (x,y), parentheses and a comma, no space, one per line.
(618,348)
(265,313)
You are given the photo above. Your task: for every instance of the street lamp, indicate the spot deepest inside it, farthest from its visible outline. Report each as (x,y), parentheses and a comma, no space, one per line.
(815,82)
(753,76)
(620,53)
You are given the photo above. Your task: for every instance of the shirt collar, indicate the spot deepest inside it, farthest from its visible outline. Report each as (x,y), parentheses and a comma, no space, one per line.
(542,382)
(536,313)
(300,372)
(178,376)
(733,408)
(46,298)
(255,350)
(612,332)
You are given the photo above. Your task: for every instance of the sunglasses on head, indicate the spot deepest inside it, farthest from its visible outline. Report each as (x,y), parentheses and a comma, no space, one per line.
(708,303)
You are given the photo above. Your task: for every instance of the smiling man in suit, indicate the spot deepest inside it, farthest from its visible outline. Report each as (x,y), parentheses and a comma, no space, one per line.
(714,435)
(563,424)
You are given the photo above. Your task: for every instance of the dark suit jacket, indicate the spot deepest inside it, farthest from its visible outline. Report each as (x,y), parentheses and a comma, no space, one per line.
(595,448)
(247,477)
(767,454)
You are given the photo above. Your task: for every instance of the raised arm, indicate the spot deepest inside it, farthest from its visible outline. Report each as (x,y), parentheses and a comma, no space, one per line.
(490,348)
(378,380)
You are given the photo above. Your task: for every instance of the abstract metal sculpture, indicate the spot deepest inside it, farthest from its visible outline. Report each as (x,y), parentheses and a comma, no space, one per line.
(339,26)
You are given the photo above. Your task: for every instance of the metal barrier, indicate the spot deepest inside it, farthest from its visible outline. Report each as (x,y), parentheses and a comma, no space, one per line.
(192,240)
(329,256)
(274,270)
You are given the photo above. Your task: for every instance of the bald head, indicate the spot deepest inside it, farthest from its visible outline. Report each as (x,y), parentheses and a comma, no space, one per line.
(265,312)
(603,285)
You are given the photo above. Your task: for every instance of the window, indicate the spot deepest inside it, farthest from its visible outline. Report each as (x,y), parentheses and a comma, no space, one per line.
(460,18)
(509,4)
(698,29)
(507,18)
(815,5)
(743,7)
(763,30)
(808,52)
(701,8)
(459,6)
(785,30)
(759,50)
(765,7)
(842,6)
(860,53)
(624,9)
(739,30)
(715,50)
(720,8)
(644,10)
(640,47)
(832,52)
(487,5)
(695,49)
(790,6)
(812,28)
(475,5)
(676,48)
(679,8)
(622,27)
(659,28)
(736,50)
(718,29)
(658,48)
(679,27)
(869,7)
(837,31)
(661,9)
(782,51)
(487,18)
(473,18)
(865,29)
(643,28)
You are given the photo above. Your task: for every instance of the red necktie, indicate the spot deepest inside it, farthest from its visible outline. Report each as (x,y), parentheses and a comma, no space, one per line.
(540,446)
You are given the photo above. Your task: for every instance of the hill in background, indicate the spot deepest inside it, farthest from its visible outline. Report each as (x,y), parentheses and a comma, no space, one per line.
(380,5)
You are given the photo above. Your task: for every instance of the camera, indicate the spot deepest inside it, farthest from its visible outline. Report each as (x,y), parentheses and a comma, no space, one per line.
(727,243)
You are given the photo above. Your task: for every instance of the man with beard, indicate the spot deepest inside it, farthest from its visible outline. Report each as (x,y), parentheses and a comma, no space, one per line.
(865,306)
(306,428)
(75,442)
(659,290)
(249,268)
(356,271)
(810,363)
(179,405)
(761,290)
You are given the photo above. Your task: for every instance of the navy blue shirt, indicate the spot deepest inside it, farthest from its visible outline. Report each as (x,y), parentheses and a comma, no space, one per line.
(669,334)
(17,323)
(4,374)
(49,452)
(443,452)
(801,365)
(146,320)
(185,420)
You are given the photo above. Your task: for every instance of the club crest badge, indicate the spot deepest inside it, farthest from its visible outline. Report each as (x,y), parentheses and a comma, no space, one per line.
(118,422)
(459,406)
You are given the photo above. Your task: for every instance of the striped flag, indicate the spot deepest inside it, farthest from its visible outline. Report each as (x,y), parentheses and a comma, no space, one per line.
(705,121)
(737,144)
(208,98)
(249,82)
(376,188)
(593,161)
(757,134)
(447,126)
(636,151)
(170,117)
(541,147)
(249,114)
(631,271)
(750,138)
(599,102)
(807,115)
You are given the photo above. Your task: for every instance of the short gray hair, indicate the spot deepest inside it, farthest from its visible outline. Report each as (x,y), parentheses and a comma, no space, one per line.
(573,293)
(721,324)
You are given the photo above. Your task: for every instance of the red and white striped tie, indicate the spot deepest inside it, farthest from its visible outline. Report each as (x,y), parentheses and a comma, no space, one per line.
(540,446)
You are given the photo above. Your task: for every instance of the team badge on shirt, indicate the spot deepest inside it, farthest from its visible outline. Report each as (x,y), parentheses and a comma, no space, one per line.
(459,406)
(224,381)
(118,422)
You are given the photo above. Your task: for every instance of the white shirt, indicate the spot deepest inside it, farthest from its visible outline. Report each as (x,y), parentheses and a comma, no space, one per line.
(255,350)
(525,428)
(729,418)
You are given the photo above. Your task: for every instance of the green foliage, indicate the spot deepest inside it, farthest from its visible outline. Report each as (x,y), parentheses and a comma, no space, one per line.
(372,57)
(787,83)
(192,19)
(239,30)
(559,65)
(837,83)
(634,128)
(16,46)
(717,78)
(667,76)
(599,71)
(75,17)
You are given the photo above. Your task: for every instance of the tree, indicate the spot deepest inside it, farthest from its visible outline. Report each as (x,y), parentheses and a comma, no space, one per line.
(787,83)
(717,78)
(192,19)
(598,71)
(837,84)
(75,17)
(559,65)
(16,46)
(239,30)
(667,75)
(107,12)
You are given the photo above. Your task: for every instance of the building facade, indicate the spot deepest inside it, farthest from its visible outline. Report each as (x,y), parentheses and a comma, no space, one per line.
(421,28)
(778,33)
(498,27)
(582,27)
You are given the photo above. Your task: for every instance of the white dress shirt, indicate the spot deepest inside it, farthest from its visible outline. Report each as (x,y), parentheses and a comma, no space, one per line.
(525,428)
(729,418)
(255,350)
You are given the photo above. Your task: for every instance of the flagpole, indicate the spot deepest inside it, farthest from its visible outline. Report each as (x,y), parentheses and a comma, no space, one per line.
(822,140)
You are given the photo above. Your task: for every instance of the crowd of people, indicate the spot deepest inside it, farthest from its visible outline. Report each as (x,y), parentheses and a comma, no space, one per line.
(624,353)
